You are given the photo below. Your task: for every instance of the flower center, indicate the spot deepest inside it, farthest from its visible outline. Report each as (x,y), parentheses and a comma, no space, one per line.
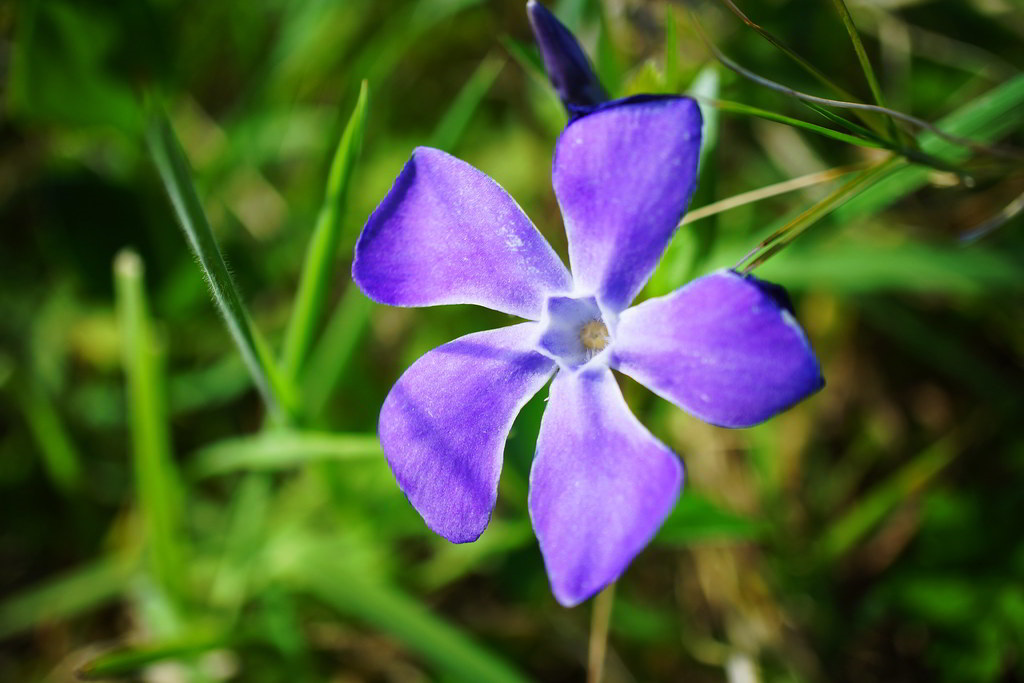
(574,331)
(594,335)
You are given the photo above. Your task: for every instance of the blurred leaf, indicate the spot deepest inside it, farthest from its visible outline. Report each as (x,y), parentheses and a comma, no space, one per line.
(124,661)
(449,650)
(322,252)
(60,455)
(696,519)
(852,265)
(174,172)
(65,596)
(281,450)
(58,70)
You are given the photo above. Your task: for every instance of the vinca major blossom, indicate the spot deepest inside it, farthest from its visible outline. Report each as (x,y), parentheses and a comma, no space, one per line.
(725,347)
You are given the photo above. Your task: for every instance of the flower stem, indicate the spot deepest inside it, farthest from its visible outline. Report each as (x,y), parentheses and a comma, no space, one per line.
(600,619)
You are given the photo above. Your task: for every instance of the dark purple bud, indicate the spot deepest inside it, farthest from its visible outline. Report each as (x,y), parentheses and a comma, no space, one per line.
(567,66)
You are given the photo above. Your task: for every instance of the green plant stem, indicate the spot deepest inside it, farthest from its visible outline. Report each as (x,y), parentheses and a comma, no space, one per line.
(600,621)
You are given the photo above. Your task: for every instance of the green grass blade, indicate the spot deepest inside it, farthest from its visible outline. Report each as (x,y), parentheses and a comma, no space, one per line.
(63,597)
(453,124)
(174,172)
(984,119)
(335,349)
(125,661)
(872,509)
(318,271)
(452,652)
(245,537)
(785,235)
(748,110)
(281,450)
(156,483)
(61,459)
(865,63)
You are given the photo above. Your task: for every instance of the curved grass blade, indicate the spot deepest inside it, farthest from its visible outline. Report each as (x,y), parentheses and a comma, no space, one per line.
(321,254)
(174,172)
(281,450)
(748,110)
(157,487)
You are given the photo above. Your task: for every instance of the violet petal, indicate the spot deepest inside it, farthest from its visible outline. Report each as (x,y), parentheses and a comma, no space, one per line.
(722,348)
(446,233)
(567,65)
(624,175)
(600,486)
(443,425)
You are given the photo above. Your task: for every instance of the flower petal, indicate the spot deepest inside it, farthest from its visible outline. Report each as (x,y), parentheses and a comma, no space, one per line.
(623,176)
(567,65)
(725,348)
(443,425)
(600,485)
(446,233)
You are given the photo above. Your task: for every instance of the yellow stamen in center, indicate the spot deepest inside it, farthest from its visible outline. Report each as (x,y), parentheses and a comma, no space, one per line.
(594,335)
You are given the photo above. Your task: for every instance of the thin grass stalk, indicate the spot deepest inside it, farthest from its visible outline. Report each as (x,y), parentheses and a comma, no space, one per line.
(157,486)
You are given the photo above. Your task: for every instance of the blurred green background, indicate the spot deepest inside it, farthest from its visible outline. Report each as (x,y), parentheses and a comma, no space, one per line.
(158,524)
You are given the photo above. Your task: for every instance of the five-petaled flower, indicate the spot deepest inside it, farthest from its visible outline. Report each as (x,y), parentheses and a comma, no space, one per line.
(724,348)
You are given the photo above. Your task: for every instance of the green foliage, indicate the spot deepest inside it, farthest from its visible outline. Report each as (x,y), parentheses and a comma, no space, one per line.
(217,505)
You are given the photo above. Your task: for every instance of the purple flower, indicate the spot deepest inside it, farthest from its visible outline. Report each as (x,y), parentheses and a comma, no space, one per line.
(725,347)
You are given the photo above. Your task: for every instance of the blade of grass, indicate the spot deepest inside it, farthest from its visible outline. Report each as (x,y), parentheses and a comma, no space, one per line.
(450,128)
(174,172)
(122,662)
(156,484)
(873,508)
(447,648)
(281,450)
(318,271)
(791,230)
(804,64)
(335,349)
(767,191)
(986,118)
(61,459)
(748,110)
(246,532)
(865,63)
(63,597)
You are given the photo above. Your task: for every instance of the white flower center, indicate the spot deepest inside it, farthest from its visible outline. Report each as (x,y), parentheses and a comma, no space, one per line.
(574,331)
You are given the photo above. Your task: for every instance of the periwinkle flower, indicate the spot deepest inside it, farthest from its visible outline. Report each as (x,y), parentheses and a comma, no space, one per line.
(724,348)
